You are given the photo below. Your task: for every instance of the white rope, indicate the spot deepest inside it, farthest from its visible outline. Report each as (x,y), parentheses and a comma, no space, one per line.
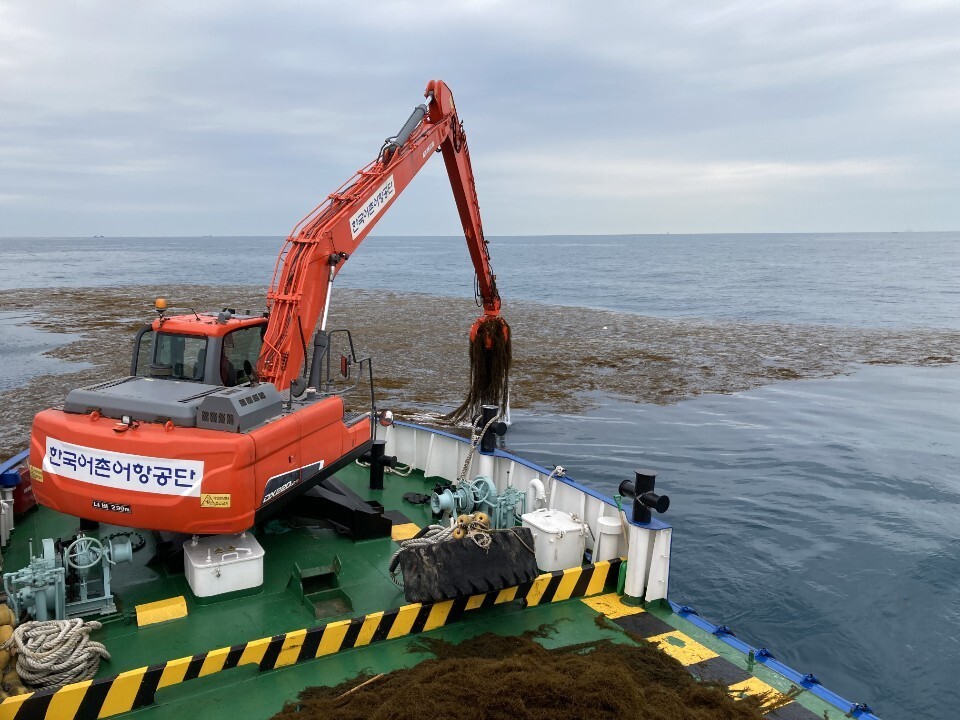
(401,469)
(474,444)
(433,535)
(52,653)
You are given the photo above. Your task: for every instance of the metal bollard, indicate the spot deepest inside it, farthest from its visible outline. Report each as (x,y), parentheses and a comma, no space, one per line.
(644,498)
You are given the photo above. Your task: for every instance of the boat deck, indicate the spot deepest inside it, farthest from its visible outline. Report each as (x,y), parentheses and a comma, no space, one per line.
(363,583)
(245,656)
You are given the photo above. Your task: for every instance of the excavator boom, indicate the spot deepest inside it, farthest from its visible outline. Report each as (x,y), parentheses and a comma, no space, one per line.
(319,244)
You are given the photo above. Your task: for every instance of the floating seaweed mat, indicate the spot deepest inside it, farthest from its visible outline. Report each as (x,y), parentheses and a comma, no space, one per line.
(515,678)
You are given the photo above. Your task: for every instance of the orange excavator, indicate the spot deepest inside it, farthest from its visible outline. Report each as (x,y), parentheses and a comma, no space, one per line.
(222,420)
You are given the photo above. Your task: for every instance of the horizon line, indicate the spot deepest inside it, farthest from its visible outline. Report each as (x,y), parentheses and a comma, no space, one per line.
(519,235)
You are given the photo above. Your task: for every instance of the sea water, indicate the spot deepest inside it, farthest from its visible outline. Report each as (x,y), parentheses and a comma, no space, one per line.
(817,518)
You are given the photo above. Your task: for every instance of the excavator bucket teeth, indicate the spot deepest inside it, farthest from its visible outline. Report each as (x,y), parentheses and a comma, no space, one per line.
(457,568)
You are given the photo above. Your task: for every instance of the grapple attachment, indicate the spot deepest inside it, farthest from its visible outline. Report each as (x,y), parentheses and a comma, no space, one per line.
(490,357)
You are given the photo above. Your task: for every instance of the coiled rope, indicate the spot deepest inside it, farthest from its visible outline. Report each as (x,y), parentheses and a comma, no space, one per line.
(52,653)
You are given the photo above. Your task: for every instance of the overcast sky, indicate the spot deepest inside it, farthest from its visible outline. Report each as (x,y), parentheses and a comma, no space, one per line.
(206,117)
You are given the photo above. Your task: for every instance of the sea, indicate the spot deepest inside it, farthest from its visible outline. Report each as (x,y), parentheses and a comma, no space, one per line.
(817,518)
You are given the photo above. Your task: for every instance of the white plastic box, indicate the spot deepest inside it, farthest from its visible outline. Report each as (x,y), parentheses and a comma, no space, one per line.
(559,541)
(219,564)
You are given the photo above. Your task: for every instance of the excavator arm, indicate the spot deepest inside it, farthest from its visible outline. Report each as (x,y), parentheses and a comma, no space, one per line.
(317,247)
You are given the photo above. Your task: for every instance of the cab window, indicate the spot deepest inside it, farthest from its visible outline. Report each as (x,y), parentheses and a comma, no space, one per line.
(180,357)
(143,352)
(241,350)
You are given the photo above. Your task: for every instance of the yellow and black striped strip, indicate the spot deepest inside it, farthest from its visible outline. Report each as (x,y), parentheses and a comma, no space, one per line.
(133,689)
(701,661)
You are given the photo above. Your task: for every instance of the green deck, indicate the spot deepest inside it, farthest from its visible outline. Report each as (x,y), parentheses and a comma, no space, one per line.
(363,579)
(278,608)
(245,692)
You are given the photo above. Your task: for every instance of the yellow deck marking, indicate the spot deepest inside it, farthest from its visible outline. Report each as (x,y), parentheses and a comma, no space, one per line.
(599,578)
(254,651)
(214,661)
(682,647)
(173,672)
(404,531)
(291,648)
(756,686)
(123,688)
(161,611)
(333,635)
(403,623)
(475,601)
(66,702)
(122,693)
(438,615)
(10,706)
(567,584)
(538,588)
(370,626)
(611,606)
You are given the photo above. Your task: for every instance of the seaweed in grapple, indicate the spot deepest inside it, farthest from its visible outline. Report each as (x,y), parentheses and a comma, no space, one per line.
(491,354)
(514,678)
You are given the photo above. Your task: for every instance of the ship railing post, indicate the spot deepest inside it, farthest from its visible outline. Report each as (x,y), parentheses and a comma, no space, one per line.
(648,563)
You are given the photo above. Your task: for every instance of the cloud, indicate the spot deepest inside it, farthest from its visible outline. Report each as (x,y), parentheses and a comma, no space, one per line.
(596,176)
(235,118)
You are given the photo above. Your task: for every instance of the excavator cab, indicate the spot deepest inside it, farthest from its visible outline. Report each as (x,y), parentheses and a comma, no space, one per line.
(211,349)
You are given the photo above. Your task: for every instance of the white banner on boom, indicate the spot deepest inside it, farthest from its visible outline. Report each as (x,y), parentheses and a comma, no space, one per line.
(140,473)
(372,207)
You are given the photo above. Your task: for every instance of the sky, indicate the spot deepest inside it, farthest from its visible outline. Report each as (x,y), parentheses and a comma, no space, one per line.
(703,116)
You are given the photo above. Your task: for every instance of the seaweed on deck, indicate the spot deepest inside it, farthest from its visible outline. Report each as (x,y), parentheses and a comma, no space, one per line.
(515,678)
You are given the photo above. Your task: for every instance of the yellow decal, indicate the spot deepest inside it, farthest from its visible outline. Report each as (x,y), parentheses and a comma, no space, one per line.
(161,611)
(404,531)
(36,474)
(211,500)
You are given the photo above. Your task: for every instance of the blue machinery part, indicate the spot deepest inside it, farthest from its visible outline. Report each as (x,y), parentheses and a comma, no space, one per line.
(480,494)
(40,588)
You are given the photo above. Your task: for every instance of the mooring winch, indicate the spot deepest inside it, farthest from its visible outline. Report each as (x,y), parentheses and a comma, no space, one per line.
(67,579)
(480,494)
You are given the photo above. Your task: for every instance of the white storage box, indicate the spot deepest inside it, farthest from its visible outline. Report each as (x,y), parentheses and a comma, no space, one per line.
(558,540)
(219,564)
